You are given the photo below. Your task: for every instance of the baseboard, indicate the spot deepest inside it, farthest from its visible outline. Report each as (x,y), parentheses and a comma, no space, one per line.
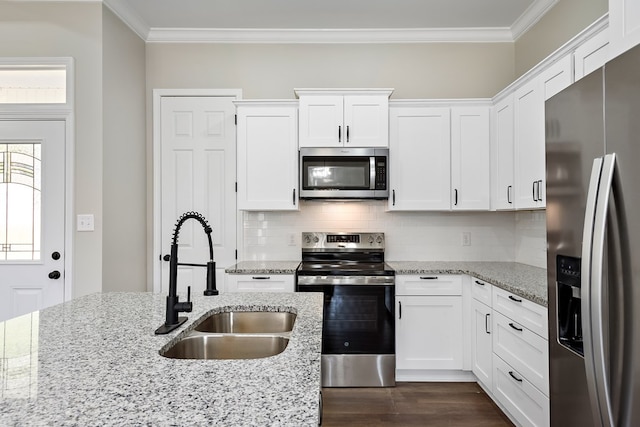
(411,375)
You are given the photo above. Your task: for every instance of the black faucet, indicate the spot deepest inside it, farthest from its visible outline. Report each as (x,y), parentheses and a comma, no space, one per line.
(174,306)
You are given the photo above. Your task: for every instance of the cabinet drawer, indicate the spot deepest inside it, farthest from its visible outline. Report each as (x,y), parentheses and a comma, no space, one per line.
(481,290)
(260,283)
(518,396)
(525,351)
(429,284)
(527,313)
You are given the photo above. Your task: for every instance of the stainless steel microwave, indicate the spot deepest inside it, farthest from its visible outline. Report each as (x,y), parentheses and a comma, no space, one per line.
(344,173)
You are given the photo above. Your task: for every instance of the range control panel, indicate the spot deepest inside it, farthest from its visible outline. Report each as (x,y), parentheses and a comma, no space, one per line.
(339,240)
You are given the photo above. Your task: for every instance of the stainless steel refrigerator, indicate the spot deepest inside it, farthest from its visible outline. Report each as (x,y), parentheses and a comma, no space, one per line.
(593,238)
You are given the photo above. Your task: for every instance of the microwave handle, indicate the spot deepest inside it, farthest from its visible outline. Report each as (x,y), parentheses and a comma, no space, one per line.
(372,173)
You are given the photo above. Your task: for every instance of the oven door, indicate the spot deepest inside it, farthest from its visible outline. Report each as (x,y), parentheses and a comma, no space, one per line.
(358,319)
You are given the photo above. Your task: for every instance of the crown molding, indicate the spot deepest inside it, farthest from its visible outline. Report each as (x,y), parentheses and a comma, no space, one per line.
(530,17)
(127,15)
(381,35)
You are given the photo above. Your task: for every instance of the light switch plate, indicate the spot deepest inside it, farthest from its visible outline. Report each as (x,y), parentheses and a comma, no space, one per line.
(85,223)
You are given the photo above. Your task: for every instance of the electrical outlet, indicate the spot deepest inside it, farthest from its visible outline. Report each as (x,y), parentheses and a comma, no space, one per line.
(466,238)
(291,239)
(85,223)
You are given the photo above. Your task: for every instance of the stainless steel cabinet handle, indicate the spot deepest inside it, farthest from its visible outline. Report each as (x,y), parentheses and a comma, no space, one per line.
(533,190)
(539,197)
(486,323)
(509,194)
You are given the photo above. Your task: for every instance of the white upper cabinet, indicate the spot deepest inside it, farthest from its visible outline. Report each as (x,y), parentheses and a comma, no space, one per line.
(591,55)
(557,76)
(419,157)
(344,117)
(502,144)
(528,110)
(267,155)
(470,158)
(624,25)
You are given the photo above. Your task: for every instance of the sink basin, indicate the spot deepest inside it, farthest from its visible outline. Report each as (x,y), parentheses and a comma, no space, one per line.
(227,347)
(255,322)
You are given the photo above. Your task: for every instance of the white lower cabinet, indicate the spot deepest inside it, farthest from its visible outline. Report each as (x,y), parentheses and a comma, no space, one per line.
(429,326)
(260,283)
(481,345)
(524,402)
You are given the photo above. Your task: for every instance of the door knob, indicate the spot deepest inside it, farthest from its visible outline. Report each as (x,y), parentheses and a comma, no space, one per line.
(55,255)
(55,275)
(167,257)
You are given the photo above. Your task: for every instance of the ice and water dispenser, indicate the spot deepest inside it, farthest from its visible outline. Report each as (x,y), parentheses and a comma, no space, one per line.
(569,303)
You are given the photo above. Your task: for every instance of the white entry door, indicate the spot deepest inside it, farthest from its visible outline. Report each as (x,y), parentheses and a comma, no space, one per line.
(198,136)
(32,215)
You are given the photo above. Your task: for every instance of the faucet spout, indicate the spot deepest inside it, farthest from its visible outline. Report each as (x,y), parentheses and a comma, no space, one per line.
(174,306)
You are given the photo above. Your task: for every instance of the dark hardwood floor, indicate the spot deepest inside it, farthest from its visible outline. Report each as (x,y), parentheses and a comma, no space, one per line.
(412,404)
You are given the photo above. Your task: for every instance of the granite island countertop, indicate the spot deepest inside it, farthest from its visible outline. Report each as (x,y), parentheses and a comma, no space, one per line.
(95,361)
(263,267)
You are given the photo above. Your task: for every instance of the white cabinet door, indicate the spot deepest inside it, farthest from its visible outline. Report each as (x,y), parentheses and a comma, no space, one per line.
(267,156)
(420,158)
(529,146)
(624,25)
(321,121)
(481,347)
(351,120)
(502,156)
(470,168)
(260,283)
(591,55)
(429,332)
(557,76)
(366,121)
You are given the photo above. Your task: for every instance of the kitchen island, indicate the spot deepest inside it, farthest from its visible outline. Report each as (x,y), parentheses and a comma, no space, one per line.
(96,361)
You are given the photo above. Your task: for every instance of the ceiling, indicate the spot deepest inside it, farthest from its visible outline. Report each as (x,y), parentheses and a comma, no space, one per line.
(329,20)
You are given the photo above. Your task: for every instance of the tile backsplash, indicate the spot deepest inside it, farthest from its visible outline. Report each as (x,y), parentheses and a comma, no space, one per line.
(410,236)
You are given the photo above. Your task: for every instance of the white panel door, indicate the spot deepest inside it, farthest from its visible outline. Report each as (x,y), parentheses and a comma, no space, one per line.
(470,156)
(420,158)
(198,174)
(32,216)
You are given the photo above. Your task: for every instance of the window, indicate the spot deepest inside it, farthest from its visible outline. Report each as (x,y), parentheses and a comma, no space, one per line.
(33,84)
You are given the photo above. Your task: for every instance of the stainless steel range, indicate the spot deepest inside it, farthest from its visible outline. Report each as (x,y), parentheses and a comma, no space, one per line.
(358,335)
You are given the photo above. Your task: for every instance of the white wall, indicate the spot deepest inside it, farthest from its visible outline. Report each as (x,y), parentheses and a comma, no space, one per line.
(531,238)
(124,251)
(410,236)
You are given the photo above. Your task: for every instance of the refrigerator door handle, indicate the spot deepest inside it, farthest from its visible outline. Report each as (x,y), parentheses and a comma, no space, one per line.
(595,324)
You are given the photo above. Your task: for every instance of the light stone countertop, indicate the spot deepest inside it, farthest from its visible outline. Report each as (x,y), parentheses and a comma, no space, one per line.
(95,361)
(521,279)
(264,267)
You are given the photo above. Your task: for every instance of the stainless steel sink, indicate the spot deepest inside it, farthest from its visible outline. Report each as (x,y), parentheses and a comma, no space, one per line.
(227,346)
(248,322)
(236,335)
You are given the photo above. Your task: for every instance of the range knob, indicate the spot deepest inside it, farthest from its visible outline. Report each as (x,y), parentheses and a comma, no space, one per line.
(307,239)
(379,239)
(315,239)
(371,240)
